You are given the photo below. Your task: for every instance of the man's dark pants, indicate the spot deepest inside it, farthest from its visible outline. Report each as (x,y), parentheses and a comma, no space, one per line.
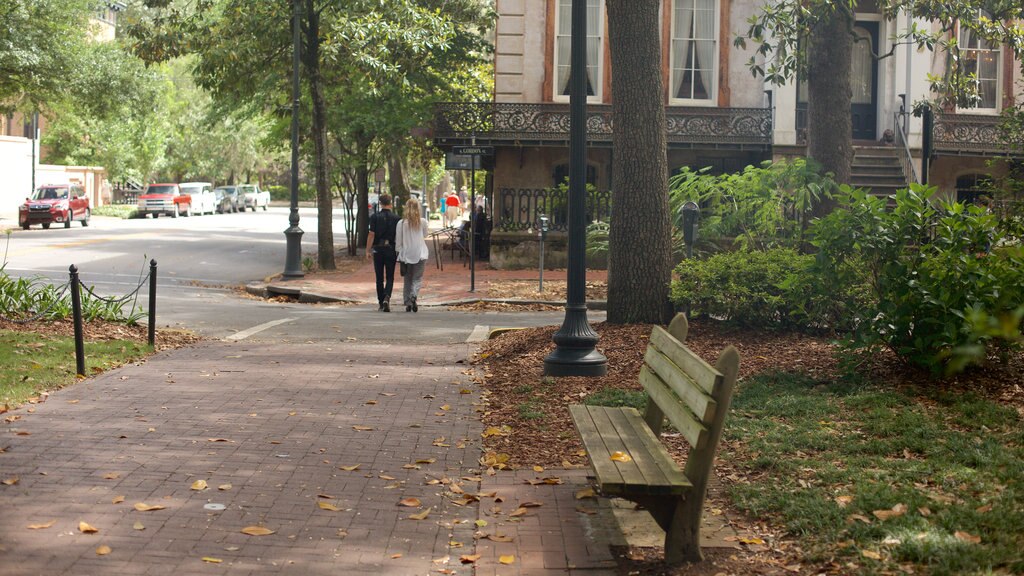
(384,269)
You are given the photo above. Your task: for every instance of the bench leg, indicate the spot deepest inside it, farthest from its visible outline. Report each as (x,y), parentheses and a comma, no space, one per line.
(682,537)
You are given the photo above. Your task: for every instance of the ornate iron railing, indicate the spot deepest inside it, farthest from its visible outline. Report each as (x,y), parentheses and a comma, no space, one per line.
(549,123)
(519,209)
(966,134)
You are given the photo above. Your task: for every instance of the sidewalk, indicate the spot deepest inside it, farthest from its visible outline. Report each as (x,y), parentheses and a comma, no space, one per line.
(440,287)
(274,430)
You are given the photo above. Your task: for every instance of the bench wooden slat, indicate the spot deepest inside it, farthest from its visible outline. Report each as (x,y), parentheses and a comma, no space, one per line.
(630,471)
(604,468)
(702,373)
(675,410)
(693,396)
(662,473)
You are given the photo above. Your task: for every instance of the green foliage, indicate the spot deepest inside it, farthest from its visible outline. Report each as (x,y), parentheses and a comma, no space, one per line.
(937,274)
(284,194)
(35,297)
(597,239)
(762,207)
(810,443)
(123,211)
(768,289)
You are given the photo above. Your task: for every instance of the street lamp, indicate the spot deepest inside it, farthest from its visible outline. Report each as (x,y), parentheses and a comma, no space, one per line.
(575,354)
(293,235)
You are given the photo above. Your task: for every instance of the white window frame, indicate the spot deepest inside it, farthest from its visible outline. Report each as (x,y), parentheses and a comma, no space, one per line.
(562,59)
(997,50)
(712,99)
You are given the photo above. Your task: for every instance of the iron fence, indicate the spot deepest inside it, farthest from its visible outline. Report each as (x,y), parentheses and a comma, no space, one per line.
(519,209)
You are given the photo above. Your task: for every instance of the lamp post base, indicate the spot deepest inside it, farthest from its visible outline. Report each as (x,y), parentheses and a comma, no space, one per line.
(575,354)
(293,253)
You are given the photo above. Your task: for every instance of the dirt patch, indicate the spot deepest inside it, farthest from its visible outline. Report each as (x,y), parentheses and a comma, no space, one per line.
(554,290)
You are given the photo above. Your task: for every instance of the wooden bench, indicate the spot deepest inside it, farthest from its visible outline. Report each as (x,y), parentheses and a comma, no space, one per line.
(694,397)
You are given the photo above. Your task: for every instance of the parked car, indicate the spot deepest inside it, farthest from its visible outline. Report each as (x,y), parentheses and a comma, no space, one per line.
(203,200)
(55,203)
(226,199)
(159,199)
(253,197)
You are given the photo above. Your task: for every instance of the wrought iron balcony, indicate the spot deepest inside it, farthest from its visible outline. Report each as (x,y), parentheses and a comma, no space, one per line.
(510,124)
(970,135)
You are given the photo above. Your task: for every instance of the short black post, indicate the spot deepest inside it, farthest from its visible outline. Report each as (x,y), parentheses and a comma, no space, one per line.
(152,302)
(76,309)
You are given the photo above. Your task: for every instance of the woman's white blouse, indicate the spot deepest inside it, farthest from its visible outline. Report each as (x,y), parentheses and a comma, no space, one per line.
(412,247)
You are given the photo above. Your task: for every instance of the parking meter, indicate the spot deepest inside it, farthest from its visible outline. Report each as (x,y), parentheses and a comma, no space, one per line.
(691,214)
(543,233)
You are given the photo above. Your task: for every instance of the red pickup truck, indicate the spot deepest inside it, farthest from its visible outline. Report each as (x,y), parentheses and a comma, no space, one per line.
(61,203)
(159,199)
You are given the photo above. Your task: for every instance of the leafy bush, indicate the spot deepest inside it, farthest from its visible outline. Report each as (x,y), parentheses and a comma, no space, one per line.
(762,207)
(937,274)
(122,211)
(764,289)
(307,193)
(24,298)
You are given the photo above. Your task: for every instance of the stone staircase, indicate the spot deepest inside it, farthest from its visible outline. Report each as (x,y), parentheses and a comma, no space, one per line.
(878,169)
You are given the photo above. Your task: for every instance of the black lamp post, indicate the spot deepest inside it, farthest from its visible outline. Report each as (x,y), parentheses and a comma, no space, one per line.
(575,354)
(293,235)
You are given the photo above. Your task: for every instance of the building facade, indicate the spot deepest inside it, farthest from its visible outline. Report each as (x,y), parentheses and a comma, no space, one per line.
(718,114)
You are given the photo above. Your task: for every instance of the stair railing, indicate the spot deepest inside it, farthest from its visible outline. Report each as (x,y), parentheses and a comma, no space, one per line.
(901,120)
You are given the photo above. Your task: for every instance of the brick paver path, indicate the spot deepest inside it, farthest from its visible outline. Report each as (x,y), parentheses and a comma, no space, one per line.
(271,424)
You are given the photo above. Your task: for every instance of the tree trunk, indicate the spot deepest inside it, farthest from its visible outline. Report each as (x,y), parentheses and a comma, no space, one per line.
(398,187)
(311,56)
(362,187)
(829,128)
(640,242)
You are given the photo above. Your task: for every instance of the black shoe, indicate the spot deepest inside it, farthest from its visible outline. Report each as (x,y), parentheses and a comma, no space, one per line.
(415,308)
(387,306)
(408,307)
(380,306)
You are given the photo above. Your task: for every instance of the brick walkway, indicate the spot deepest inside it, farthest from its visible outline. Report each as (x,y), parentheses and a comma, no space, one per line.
(272,424)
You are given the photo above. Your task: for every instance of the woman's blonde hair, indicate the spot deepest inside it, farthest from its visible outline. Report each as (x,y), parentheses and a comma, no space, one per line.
(412,213)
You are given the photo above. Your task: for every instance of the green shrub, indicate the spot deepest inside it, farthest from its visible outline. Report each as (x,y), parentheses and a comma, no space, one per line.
(307,193)
(123,211)
(764,289)
(939,276)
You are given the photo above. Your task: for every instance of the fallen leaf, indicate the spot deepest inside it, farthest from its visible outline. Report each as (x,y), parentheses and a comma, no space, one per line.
(531,504)
(111,476)
(843,501)
(469,558)
(481,523)
(585,493)
(385,477)
(257,531)
(11,481)
(621,457)
(850,519)
(143,507)
(395,556)
(328,506)
(212,560)
(871,554)
(199,485)
(518,512)
(499,538)
(924,511)
(42,526)
(218,440)
(426,460)
(983,509)
(756,541)
(85,528)
(326,496)
(894,512)
(349,468)
(138,526)
(421,515)
(224,487)
(117,500)
(507,559)
(103,550)
(410,502)
(362,428)
(967,537)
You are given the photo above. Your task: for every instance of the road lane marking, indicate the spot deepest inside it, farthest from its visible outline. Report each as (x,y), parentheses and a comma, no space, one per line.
(479,334)
(249,332)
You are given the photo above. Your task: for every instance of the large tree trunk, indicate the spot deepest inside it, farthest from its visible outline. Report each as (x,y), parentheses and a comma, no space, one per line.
(325,230)
(640,242)
(398,187)
(829,128)
(362,187)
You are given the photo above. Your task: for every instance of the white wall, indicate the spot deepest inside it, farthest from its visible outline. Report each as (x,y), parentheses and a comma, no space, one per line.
(15,173)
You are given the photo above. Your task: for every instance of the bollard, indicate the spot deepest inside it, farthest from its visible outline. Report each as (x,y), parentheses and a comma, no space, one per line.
(543,233)
(152,302)
(76,309)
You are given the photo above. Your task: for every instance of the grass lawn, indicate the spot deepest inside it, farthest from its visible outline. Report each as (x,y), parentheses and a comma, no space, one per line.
(31,363)
(874,479)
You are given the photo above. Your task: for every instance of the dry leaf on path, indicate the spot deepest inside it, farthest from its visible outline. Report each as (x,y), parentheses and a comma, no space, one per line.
(86,528)
(410,502)
(420,516)
(328,506)
(349,468)
(212,560)
(507,559)
(143,507)
(396,556)
(42,526)
(138,526)
(11,481)
(199,485)
(257,531)
(362,428)
(117,500)
(469,558)
(103,550)
(224,487)
(585,493)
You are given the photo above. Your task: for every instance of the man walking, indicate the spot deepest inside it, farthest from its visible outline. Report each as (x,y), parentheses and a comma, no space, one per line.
(380,245)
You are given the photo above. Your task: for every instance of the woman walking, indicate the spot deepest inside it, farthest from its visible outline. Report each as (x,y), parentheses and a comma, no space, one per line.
(412,252)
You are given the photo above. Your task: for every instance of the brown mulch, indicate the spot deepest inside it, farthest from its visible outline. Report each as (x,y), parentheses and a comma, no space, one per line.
(532,414)
(166,339)
(554,290)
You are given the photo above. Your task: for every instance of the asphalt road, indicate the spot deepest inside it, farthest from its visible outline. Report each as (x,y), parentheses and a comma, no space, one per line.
(204,261)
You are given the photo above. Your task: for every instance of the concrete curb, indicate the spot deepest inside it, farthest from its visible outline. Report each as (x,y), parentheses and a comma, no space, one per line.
(269,290)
